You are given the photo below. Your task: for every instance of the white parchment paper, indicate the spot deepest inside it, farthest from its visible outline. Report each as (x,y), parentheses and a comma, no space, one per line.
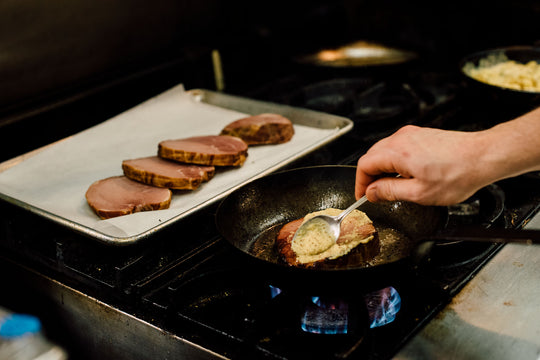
(56,179)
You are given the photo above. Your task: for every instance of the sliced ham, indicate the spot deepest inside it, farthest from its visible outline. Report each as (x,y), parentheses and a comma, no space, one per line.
(261,129)
(153,170)
(118,195)
(215,150)
(358,238)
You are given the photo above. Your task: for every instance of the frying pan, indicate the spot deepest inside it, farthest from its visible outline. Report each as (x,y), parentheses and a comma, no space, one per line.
(250,218)
(521,54)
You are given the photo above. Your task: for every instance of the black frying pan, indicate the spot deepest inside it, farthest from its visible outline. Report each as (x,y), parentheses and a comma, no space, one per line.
(250,217)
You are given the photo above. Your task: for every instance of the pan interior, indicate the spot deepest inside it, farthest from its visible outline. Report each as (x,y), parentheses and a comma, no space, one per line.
(394,245)
(251,217)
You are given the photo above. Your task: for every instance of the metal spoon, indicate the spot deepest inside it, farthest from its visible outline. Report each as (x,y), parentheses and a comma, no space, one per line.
(329,227)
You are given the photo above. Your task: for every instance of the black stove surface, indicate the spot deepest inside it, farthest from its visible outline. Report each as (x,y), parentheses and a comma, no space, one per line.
(187,280)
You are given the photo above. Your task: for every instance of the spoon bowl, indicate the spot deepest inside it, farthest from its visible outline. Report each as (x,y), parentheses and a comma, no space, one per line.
(321,232)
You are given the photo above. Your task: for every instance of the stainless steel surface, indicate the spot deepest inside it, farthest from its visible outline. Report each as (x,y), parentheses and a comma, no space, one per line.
(93,329)
(495,316)
(335,125)
(296,115)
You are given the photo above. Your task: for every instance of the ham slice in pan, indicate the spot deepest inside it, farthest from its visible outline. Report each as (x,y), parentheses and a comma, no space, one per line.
(358,238)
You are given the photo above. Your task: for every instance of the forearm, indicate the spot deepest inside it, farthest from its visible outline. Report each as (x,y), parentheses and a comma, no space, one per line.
(511,148)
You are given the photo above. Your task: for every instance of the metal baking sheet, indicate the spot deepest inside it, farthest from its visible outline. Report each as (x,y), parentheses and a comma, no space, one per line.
(52,181)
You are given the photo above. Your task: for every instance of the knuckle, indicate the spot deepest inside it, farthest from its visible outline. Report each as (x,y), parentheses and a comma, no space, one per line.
(407,128)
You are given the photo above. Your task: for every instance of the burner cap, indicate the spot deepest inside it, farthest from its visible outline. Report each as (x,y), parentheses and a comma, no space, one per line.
(385,104)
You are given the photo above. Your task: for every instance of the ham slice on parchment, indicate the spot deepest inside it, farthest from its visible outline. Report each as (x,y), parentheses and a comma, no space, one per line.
(261,129)
(153,170)
(118,195)
(214,150)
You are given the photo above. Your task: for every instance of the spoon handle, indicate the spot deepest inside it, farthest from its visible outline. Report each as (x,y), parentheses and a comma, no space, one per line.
(346,212)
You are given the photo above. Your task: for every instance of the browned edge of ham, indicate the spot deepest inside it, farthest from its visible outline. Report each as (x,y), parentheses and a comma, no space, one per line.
(215,150)
(153,170)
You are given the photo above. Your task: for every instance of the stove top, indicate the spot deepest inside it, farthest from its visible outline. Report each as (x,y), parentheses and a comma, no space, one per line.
(186,280)
(230,304)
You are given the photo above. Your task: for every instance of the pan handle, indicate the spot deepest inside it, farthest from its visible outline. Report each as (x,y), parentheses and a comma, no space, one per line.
(528,237)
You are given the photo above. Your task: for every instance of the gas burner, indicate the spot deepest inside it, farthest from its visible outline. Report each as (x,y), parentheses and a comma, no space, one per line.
(333,314)
(436,89)
(336,96)
(263,318)
(484,209)
(326,316)
(385,105)
(284,321)
(379,105)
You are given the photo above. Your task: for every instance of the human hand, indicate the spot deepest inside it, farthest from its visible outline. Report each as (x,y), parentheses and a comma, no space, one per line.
(436,167)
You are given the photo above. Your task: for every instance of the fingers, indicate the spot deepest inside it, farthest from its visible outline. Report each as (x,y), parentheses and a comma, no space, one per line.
(434,164)
(414,190)
(390,155)
(362,181)
(369,167)
(389,189)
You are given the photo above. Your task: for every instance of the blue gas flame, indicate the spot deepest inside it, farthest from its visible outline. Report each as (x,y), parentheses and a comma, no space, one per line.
(274,291)
(383,306)
(331,315)
(323,316)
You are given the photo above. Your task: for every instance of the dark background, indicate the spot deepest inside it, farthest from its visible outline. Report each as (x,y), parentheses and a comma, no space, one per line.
(107,55)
